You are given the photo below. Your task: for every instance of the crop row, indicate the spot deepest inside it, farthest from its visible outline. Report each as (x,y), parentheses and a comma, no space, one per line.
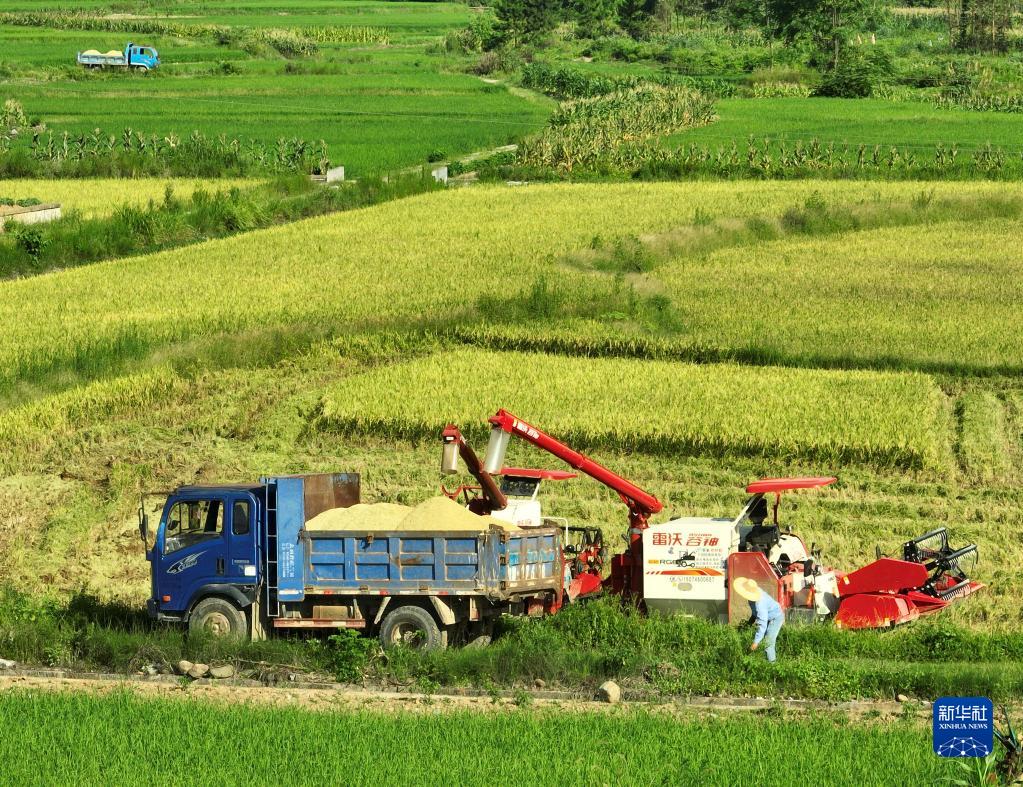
(542,158)
(195,153)
(941,295)
(292,40)
(655,406)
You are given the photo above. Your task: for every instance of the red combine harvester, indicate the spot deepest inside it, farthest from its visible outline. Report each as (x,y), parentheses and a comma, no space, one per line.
(689,564)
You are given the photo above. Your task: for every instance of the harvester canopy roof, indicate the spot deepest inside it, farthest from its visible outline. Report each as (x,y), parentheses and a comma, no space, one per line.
(765,485)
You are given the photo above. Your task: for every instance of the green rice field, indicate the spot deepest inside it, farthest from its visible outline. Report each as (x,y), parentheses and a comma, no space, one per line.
(110,740)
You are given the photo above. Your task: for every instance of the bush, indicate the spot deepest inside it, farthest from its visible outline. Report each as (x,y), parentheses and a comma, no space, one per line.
(12,115)
(478,36)
(494,61)
(29,238)
(851,78)
(350,655)
(857,74)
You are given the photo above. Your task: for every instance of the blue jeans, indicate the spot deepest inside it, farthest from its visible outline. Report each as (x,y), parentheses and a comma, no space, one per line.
(773,627)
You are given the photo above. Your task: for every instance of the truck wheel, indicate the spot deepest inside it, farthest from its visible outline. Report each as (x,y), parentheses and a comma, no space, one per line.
(218,617)
(412,627)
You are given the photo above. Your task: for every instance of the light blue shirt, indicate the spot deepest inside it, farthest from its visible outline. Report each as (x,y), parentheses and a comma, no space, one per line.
(766,609)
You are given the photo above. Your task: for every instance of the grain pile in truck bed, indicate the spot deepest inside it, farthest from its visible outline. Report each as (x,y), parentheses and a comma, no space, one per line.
(437,513)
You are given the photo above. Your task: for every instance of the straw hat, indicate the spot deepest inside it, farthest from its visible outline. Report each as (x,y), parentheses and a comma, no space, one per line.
(747,588)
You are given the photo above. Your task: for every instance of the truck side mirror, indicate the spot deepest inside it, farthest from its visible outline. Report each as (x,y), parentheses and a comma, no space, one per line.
(144,527)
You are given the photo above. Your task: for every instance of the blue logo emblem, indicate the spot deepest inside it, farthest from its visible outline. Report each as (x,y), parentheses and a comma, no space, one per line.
(963,727)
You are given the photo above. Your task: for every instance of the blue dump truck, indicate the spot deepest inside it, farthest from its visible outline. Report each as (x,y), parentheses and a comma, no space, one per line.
(134,56)
(238,561)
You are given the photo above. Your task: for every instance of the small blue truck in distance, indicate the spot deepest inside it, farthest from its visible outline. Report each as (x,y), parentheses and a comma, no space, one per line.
(237,561)
(140,58)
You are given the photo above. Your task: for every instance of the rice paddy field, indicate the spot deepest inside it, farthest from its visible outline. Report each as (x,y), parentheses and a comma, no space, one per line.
(378,105)
(911,125)
(821,362)
(301,747)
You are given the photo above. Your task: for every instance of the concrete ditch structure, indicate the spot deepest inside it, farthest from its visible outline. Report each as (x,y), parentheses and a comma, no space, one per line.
(332,175)
(32,214)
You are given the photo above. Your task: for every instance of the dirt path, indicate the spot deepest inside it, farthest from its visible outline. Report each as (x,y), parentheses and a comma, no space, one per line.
(338,697)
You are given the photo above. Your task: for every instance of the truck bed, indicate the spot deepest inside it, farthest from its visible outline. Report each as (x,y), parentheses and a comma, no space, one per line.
(496,563)
(101,60)
(493,563)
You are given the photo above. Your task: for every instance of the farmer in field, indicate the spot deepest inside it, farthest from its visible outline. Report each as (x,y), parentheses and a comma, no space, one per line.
(767,612)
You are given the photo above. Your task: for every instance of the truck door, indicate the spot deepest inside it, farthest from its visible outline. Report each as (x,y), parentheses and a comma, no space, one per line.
(242,558)
(192,549)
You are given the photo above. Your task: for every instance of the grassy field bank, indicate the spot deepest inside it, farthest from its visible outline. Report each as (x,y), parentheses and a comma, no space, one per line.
(109,740)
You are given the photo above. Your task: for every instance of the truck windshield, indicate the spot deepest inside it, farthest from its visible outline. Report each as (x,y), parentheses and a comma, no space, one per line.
(192,521)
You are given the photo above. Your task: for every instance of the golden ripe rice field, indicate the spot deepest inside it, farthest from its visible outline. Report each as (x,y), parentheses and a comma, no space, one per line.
(98,197)
(891,419)
(433,259)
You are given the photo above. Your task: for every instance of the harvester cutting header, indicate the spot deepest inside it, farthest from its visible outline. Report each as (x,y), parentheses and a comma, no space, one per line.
(689,564)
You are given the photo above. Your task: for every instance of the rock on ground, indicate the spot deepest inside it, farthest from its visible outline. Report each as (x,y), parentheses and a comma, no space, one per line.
(609,692)
(183,667)
(198,671)
(7,664)
(223,671)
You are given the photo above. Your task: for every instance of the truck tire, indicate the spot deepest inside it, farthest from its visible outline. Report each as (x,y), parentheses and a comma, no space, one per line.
(412,627)
(218,617)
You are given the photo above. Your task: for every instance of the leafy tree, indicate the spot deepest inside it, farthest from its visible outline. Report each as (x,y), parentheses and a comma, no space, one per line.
(636,16)
(980,24)
(526,20)
(827,25)
(595,17)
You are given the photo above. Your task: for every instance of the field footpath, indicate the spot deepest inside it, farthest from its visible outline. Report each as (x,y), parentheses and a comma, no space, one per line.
(326,696)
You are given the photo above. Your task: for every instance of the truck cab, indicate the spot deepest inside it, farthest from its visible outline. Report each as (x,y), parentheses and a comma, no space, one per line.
(141,57)
(245,560)
(205,544)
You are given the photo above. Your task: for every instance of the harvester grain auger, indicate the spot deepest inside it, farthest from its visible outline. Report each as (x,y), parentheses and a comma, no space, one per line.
(688,564)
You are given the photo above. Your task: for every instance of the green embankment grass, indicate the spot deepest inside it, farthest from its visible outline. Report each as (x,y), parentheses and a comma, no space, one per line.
(657,407)
(110,740)
(652,657)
